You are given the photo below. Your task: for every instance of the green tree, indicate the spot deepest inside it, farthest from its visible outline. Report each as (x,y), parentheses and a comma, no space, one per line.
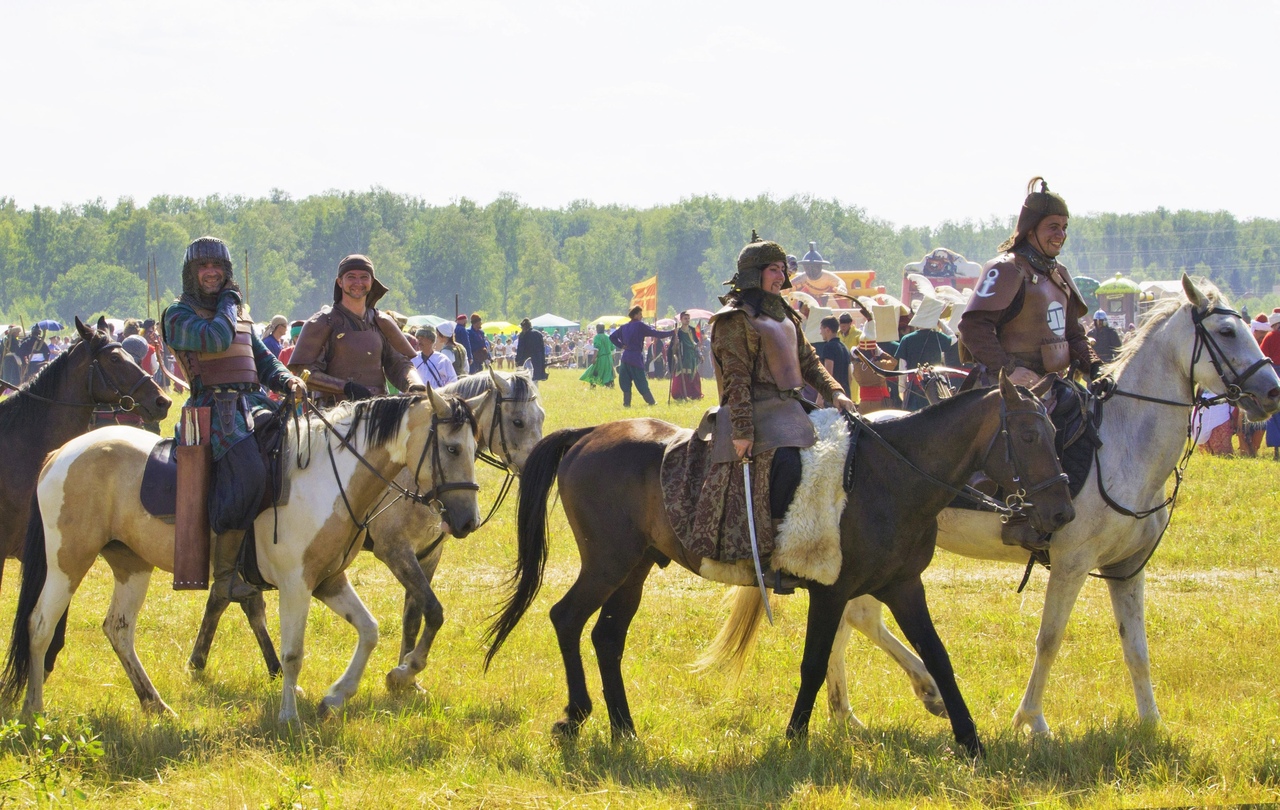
(93,289)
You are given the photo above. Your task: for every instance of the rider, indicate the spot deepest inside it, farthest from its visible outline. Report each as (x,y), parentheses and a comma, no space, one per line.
(351,349)
(227,366)
(762,360)
(1024,316)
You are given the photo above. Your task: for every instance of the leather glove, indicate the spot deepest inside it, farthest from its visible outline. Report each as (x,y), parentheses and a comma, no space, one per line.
(232,291)
(1095,370)
(416,389)
(354,391)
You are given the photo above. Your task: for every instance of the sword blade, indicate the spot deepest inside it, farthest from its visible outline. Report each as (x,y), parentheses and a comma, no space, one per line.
(755,546)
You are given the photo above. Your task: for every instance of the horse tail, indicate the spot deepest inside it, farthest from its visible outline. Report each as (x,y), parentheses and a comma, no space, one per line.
(536,480)
(731,648)
(35,568)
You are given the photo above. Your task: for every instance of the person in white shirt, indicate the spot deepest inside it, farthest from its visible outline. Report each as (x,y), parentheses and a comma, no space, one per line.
(435,368)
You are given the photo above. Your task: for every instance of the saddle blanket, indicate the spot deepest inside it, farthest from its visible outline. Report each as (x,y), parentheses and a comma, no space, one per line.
(158,491)
(808,540)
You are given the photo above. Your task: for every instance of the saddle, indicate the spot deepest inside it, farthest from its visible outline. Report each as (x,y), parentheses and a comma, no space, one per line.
(158,491)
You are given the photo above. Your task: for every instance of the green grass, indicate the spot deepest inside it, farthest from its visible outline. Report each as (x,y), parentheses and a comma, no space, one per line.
(474,738)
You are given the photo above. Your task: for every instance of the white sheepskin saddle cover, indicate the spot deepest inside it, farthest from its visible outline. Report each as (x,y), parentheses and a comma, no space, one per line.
(808,542)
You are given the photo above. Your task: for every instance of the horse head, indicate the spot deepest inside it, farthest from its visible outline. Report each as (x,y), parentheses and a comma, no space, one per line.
(515,418)
(1023,460)
(114,378)
(443,439)
(1224,357)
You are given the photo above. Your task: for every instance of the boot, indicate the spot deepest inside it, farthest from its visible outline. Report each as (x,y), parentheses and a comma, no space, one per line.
(227,581)
(780,582)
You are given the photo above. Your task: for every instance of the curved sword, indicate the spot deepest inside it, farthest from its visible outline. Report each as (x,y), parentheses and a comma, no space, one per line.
(751,528)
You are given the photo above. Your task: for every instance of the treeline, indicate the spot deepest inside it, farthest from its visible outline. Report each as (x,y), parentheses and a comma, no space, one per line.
(509,260)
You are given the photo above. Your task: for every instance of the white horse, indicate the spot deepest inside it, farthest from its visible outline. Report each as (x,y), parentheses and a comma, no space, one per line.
(1187,344)
(87,504)
(408,537)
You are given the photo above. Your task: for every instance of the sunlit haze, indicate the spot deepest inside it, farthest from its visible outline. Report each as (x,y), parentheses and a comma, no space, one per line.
(916,112)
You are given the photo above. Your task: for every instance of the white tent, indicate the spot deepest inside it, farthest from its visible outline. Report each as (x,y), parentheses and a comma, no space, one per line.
(549,321)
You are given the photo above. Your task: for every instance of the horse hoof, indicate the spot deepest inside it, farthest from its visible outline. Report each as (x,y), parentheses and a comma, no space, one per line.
(288,718)
(401,679)
(564,729)
(195,667)
(330,706)
(158,706)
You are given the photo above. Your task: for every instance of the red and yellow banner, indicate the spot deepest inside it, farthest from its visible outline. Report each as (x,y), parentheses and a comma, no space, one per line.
(645,295)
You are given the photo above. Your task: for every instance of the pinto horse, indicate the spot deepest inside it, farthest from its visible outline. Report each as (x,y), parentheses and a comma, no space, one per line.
(903,476)
(1198,342)
(408,538)
(54,407)
(87,505)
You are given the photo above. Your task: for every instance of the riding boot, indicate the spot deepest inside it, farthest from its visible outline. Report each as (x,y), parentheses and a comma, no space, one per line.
(227,581)
(780,582)
(1018,532)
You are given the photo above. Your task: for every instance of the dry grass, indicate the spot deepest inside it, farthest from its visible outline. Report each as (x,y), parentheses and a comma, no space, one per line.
(474,738)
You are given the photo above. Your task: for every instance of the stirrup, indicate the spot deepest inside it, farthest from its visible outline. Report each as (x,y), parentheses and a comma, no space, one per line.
(782,584)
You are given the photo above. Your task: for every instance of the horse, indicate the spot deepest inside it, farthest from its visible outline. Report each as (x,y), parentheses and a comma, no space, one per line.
(57,405)
(1122,511)
(904,475)
(408,538)
(87,504)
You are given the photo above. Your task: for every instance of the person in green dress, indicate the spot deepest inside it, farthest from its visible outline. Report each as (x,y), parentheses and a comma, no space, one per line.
(685,382)
(600,372)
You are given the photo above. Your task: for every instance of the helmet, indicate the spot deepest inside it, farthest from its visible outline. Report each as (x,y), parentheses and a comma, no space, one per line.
(207,247)
(1100,315)
(1037,206)
(752,259)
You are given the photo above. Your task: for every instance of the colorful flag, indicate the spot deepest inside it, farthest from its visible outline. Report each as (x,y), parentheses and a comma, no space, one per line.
(645,295)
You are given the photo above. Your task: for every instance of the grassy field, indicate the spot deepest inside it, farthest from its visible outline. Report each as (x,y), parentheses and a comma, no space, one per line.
(472,738)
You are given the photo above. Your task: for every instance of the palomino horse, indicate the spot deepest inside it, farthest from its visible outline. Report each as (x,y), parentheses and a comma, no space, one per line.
(609,484)
(54,407)
(408,538)
(1122,510)
(87,504)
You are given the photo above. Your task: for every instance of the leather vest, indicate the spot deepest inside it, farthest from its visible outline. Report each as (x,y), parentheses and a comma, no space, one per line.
(779,419)
(231,367)
(356,356)
(1036,336)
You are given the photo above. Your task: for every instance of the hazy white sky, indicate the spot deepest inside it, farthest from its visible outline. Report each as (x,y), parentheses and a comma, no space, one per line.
(916,111)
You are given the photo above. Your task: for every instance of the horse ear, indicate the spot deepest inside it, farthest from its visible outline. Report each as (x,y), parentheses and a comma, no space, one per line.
(86,333)
(498,384)
(1197,298)
(438,403)
(102,324)
(477,403)
(1007,389)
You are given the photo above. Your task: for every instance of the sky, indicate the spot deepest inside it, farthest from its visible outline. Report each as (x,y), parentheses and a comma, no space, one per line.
(916,112)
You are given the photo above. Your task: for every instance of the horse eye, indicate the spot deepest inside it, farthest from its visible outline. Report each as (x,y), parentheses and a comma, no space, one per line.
(1227,331)
(1029,436)
(517,423)
(452,449)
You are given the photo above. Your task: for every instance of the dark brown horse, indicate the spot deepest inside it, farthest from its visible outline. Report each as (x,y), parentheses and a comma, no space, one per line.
(905,473)
(54,407)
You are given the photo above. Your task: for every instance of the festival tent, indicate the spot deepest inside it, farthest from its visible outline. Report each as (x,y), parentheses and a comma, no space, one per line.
(609,321)
(500,328)
(554,323)
(699,314)
(424,320)
(666,323)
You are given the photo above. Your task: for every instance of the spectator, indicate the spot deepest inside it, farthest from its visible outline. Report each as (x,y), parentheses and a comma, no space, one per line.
(454,352)
(1106,340)
(531,349)
(630,337)
(477,344)
(275,333)
(833,353)
(435,369)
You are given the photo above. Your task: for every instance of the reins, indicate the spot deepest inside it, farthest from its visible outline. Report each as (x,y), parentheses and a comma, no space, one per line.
(1105,388)
(1015,503)
(124,399)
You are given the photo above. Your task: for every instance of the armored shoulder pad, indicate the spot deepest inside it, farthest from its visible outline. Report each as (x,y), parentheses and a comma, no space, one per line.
(998,284)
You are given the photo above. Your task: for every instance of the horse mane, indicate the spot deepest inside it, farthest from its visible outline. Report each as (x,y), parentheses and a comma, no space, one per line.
(19,413)
(473,385)
(381,418)
(1156,317)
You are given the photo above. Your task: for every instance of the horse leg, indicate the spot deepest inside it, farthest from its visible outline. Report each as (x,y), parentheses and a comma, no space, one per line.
(569,616)
(336,592)
(214,607)
(421,603)
(255,610)
(52,604)
(1064,586)
(1127,603)
(609,637)
(120,626)
(911,611)
(414,608)
(295,603)
(864,615)
(825,609)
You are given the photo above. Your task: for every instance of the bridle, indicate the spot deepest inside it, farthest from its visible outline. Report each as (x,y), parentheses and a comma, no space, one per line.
(124,399)
(459,414)
(1015,503)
